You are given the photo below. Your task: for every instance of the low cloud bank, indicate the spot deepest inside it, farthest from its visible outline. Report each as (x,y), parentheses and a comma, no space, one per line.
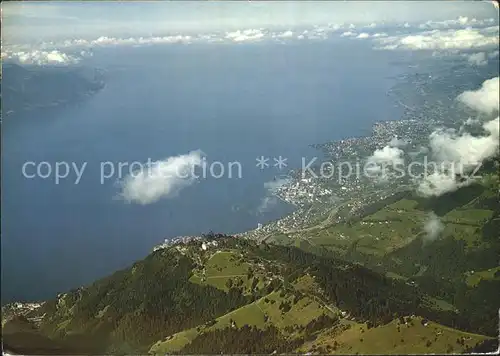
(53,57)
(461,21)
(245,35)
(455,34)
(461,39)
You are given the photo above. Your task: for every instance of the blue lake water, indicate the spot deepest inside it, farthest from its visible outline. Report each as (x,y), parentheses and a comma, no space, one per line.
(235,103)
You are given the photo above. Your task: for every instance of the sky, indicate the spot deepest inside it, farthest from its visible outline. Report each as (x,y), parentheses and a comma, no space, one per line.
(25,22)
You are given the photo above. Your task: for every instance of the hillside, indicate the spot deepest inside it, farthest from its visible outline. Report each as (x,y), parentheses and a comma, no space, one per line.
(458,268)
(238,296)
(29,88)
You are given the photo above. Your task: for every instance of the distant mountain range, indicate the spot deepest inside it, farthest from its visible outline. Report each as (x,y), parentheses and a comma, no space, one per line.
(30,87)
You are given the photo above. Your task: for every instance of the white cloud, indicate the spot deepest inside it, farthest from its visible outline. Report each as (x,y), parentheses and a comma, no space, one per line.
(318,33)
(363,35)
(348,34)
(485,99)
(245,35)
(398,142)
(161,179)
(387,156)
(50,52)
(461,21)
(439,183)
(41,57)
(239,35)
(434,40)
(478,59)
(443,39)
(459,153)
(103,41)
(378,165)
(492,127)
(465,151)
(334,27)
(433,228)
(286,34)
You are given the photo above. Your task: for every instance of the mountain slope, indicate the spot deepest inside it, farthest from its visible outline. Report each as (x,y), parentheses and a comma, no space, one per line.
(28,88)
(184,299)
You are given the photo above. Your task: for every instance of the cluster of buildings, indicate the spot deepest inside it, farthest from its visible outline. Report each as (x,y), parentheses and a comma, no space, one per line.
(178,240)
(17,308)
(303,192)
(25,307)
